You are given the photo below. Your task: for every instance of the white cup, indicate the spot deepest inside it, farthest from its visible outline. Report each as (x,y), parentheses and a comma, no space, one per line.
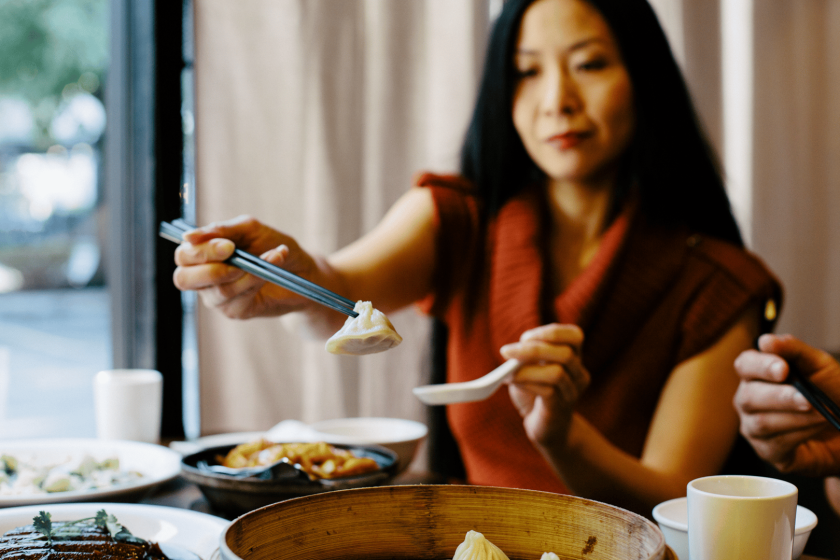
(128,404)
(741,518)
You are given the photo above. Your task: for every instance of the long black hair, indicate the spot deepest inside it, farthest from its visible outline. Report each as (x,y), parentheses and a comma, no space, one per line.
(671,162)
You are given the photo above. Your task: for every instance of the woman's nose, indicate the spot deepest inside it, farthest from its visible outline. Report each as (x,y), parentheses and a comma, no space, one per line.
(561,95)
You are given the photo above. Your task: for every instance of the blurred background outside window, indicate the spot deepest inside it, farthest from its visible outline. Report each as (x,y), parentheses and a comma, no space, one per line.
(54,303)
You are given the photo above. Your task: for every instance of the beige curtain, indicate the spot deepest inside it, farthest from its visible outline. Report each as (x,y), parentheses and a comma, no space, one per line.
(765,75)
(313,115)
(796,160)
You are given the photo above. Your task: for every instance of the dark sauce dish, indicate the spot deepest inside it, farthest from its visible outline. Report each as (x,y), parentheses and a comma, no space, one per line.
(233,496)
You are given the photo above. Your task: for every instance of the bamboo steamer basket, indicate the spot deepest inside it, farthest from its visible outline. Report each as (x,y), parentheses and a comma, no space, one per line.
(430,521)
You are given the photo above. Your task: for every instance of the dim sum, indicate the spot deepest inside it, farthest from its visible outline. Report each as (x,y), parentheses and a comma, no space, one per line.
(368,333)
(476,547)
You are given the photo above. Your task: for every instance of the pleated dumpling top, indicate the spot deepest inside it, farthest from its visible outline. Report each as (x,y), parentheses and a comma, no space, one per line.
(369,333)
(476,547)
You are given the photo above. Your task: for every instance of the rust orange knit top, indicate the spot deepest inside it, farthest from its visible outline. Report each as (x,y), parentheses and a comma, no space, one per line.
(651,298)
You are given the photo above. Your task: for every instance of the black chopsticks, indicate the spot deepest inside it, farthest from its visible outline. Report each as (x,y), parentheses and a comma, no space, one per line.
(175,230)
(815,396)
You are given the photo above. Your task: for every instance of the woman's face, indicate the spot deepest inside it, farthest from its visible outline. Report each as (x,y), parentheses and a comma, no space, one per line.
(573,101)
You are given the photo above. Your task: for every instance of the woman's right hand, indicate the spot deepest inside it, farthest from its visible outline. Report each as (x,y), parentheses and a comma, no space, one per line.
(238,294)
(390,266)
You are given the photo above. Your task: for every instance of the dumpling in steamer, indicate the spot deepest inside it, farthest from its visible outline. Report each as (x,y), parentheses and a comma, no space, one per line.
(549,556)
(476,547)
(368,333)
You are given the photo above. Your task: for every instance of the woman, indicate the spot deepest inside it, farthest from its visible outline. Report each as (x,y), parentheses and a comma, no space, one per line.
(589,208)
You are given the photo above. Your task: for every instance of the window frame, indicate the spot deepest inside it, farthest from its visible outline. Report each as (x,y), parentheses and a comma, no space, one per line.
(143,167)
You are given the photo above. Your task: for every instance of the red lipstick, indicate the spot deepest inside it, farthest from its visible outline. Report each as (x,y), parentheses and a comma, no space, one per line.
(567,139)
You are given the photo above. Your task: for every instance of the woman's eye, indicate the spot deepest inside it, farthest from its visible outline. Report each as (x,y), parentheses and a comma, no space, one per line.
(592,65)
(522,73)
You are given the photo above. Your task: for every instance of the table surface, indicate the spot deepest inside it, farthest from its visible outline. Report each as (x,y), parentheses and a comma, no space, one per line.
(182,494)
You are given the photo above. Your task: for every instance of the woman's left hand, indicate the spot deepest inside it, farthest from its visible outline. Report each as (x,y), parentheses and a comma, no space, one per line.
(547,386)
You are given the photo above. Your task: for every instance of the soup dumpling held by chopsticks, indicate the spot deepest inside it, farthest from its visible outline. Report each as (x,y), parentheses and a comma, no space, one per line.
(368,333)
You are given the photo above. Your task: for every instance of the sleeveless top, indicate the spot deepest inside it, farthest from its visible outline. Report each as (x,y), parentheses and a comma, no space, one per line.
(651,298)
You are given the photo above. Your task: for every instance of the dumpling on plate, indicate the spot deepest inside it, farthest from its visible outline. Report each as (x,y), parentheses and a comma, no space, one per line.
(368,333)
(476,547)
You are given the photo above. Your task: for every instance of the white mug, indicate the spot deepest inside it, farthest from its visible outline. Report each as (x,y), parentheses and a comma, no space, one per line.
(734,517)
(128,404)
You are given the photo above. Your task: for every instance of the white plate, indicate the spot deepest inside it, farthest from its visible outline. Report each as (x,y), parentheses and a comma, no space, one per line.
(156,463)
(190,530)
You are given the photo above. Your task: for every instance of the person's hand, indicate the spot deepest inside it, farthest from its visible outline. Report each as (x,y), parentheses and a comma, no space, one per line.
(776,419)
(239,295)
(550,382)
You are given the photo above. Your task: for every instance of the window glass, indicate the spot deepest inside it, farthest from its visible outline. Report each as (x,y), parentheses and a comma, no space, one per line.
(54,303)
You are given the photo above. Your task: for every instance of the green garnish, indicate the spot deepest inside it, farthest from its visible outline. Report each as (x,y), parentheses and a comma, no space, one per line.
(114,528)
(107,522)
(43,524)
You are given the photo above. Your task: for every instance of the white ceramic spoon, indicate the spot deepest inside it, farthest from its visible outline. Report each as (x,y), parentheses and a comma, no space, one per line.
(468,391)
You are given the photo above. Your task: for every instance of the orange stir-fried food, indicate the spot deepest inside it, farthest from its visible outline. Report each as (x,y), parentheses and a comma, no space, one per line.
(318,460)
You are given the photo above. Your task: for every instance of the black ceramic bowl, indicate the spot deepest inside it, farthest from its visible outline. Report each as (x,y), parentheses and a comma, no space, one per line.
(234,496)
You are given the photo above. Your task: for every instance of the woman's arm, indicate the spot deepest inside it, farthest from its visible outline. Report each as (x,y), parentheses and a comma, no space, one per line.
(690,436)
(390,266)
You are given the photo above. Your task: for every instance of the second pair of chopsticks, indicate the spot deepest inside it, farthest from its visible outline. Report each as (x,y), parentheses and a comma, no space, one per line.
(175,231)
(818,399)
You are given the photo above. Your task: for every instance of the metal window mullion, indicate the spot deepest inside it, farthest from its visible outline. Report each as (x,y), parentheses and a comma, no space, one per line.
(130,167)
